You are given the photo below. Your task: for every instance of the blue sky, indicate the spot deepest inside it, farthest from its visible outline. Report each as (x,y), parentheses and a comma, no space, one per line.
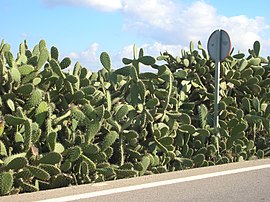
(82,29)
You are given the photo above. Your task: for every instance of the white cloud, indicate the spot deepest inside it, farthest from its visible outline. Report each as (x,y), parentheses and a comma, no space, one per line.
(171,22)
(104,5)
(244,31)
(91,53)
(24,35)
(152,12)
(178,22)
(153,49)
(89,57)
(74,55)
(169,25)
(168,21)
(157,47)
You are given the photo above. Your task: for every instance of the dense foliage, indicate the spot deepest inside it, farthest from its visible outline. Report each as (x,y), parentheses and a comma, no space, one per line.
(65,126)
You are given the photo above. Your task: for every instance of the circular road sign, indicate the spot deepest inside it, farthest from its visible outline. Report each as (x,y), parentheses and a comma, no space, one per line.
(219,45)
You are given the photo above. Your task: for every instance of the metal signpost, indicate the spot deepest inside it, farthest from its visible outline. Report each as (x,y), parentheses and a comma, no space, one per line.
(219,47)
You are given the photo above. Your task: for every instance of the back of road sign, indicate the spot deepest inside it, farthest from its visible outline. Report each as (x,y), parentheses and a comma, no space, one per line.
(219,45)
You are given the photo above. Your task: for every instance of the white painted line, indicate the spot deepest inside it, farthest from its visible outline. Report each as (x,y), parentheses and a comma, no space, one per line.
(153,184)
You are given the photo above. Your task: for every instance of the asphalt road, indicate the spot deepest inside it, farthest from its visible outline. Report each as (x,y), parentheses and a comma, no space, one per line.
(246,181)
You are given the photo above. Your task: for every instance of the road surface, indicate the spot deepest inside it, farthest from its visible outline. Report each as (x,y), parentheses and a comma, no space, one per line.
(245,181)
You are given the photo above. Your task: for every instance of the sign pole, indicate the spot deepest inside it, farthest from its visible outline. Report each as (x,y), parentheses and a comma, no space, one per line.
(217,81)
(219,46)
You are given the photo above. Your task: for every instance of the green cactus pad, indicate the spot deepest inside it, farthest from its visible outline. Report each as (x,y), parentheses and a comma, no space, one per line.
(89,149)
(238,129)
(247,73)
(121,111)
(91,164)
(25,69)
(15,74)
(147,60)
(84,171)
(25,89)
(30,77)
(54,53)
(43,57)
(139,166)
(127,165)
(1,71)
(108,172)
(161,146)
(223,160)
(27,187)
(39,173)
(259,72)
(211,149)
(27,134)
(6,182)
(127,61)
(109,140)
(124,71)
(59,148)
(13,120)
(105,61)
(24,173)
(51,169)
(151,103)
(41,112)
(9,58)
(73,153)
(66,166)
(199,159)
(78,114)
(246,104)
(3,150)
(51,140)
(100,111)
(35,98)
(260,154)
(41,44)
(181,74)
(36,81)
(61,180)
(131,134)
(254,61)
(185,162)
(256,48)
(166,140)
(125,173)
(161,169)
(239,55)
(65,63)
(145,164)
(183,118)
(187,128)
(51,158)
(109,152)
(179,140)
(72,79)
(77,69)
(16,161)
(92,129)
(11,105)
(57,69)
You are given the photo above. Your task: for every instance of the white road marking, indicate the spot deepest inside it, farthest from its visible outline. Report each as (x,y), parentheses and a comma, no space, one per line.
(153,184)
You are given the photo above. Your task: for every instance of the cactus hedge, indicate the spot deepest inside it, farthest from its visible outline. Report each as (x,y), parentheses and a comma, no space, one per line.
(63,125)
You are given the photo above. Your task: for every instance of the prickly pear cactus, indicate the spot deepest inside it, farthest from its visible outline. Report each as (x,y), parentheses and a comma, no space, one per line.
(62,125)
